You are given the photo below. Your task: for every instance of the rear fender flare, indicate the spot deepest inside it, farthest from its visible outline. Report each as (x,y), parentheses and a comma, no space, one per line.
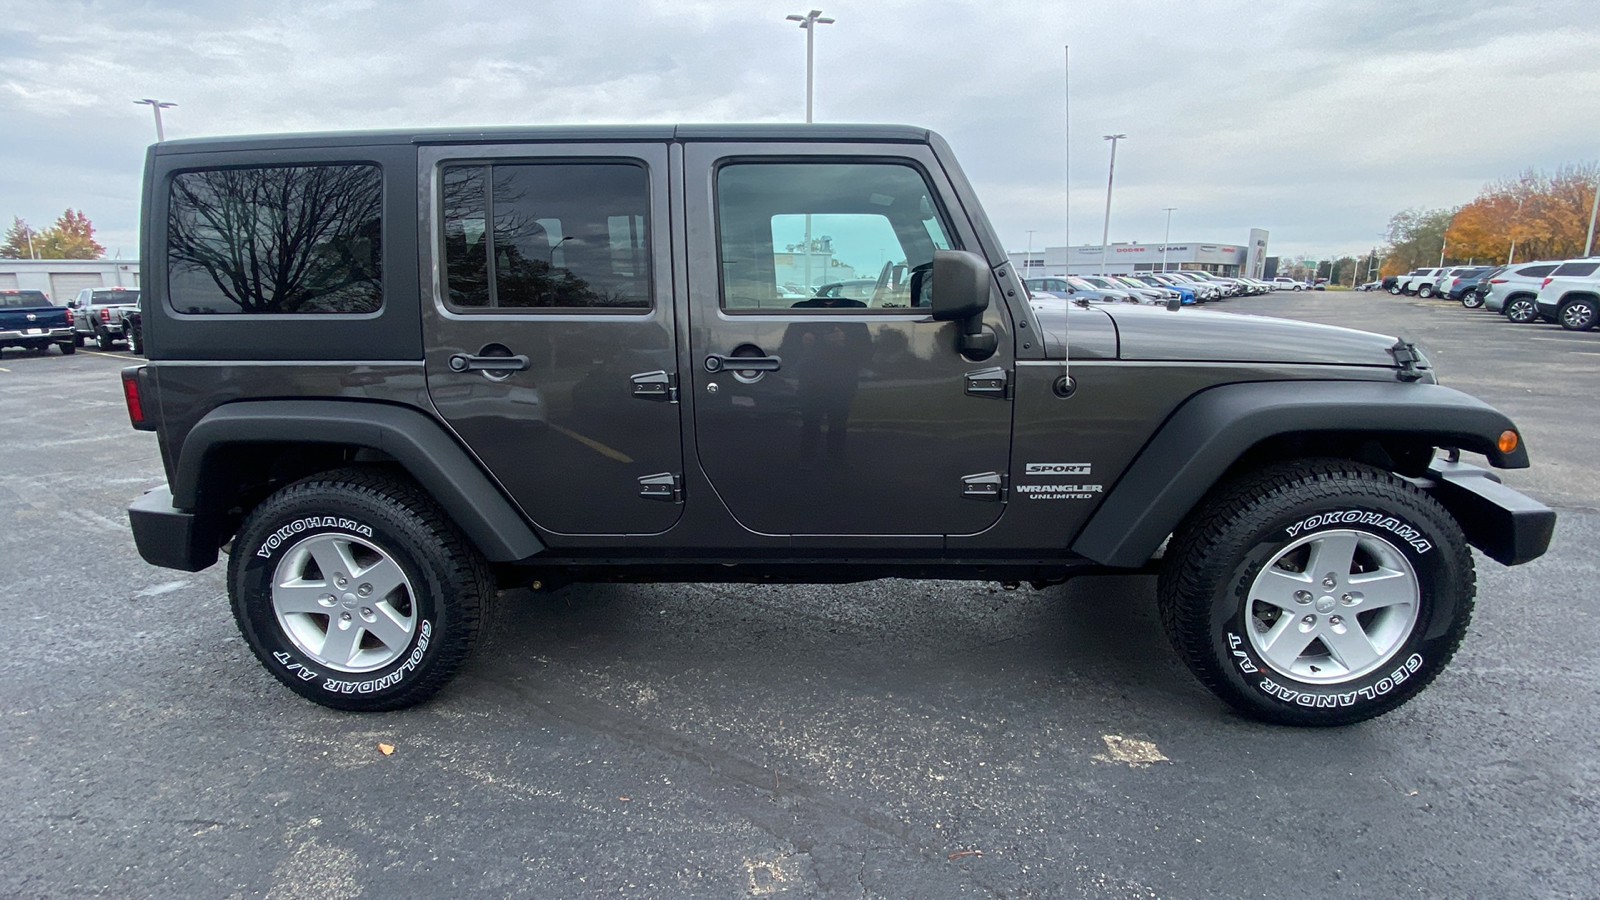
(418,443)
(1213,429)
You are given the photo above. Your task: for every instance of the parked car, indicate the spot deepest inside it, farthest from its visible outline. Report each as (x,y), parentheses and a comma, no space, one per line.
(1389,283)
(1285,283)
(1073,288)
(29,320)
(133,328)
(1463,285)
(99,314)
(358,433)
(1512,293)
(1571,295)
(1185,293)
(1414,281)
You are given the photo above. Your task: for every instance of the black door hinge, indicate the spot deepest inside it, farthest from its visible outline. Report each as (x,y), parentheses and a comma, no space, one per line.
(666,487)
(993,382)
(985,486)
(658,385)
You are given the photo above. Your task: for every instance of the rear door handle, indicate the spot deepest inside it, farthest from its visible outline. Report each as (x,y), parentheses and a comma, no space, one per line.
(716,362)
(462,362)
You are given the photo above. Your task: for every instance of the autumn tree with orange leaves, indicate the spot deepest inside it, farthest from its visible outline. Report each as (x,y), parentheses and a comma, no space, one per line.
(1545,214)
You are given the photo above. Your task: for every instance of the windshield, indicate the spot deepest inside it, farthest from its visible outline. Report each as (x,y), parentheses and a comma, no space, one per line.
(23,299)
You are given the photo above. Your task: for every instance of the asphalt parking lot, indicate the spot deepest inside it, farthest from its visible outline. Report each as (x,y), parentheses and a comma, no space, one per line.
(892,739)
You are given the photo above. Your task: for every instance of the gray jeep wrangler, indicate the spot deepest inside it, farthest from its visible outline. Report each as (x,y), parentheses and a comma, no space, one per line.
(394,373)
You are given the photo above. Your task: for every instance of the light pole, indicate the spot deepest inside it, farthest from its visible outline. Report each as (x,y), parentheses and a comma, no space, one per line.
(156,106)
(809,23)
(1167,239)
(1588,242)
(1514,219)
(1027,262)
(1111,174)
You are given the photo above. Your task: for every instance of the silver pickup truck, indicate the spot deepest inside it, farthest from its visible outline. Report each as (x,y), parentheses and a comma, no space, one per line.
(100,315)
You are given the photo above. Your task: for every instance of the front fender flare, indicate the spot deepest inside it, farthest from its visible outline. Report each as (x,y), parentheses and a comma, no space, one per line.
(1214,428)
(417,442)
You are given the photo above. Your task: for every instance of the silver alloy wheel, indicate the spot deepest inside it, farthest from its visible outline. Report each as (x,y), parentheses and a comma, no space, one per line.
(1333,606)
(344,602)
(1577,316)
(1521,311)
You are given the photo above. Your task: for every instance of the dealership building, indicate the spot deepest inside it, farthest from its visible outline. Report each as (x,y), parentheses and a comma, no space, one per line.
(1217,257)
(62,279)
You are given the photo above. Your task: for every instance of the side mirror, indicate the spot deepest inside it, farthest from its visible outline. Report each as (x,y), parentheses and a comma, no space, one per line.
(960,285)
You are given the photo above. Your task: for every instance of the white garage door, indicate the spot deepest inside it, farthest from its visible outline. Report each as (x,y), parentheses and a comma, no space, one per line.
(65,286)
(8,281)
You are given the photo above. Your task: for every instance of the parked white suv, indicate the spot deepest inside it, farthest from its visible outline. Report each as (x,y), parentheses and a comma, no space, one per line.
(1284,283)
(1571,295)
(1512,292)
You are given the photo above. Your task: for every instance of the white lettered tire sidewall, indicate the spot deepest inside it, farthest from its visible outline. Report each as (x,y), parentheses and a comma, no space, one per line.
(372,512)
(1376,525)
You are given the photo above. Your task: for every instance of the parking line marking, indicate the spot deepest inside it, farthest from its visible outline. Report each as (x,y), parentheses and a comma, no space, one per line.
(4,369)
(593,444)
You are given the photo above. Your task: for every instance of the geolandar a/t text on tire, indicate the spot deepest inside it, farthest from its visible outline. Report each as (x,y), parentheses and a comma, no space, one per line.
(395,373)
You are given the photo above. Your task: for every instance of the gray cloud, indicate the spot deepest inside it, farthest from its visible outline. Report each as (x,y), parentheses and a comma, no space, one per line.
(1315,120)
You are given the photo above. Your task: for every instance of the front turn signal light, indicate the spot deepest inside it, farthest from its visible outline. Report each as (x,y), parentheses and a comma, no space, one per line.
(1508,441)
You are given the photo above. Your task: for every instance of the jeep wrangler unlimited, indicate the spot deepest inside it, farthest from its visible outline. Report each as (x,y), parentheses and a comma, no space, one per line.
(394,373)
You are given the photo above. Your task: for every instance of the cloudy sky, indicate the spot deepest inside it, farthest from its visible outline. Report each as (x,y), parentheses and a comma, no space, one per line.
(1315,120)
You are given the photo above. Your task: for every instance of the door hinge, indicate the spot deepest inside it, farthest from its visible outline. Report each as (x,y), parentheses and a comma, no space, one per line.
(993,382)
(984,486)
(658,385)
(665,486)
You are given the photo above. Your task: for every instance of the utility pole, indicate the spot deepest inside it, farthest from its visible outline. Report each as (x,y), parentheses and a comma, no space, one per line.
(809,23)
(1168,238)
(1111,174)
(156,106)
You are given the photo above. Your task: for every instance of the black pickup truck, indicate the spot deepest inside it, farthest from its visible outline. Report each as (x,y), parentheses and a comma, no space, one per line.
(29,320)
(393,373)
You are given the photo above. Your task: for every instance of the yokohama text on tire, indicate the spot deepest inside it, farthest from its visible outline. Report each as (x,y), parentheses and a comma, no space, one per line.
(1317,592)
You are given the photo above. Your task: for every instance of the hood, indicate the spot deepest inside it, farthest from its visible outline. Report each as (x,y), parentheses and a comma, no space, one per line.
(1155,333)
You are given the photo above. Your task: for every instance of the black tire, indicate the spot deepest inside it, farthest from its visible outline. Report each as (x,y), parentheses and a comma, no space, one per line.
(1521,310)
(136,342)
(1578,315)
(104,341)
(68,348)
(77,339)
(446,591)
(1219,557)
(1395,289)
(1471,300)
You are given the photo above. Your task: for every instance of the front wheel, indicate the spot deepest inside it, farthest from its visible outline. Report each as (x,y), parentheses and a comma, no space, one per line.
(1425,291)
(1471,300)
(1522,310)
(1395,290)
(356,591)
(1578,315)
(1317,592)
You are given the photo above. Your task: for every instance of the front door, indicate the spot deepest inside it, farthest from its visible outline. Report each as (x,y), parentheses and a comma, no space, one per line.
(852,412)
(550,339)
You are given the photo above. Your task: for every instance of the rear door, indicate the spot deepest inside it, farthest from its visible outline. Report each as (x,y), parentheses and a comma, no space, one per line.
(549,341)
(855,416)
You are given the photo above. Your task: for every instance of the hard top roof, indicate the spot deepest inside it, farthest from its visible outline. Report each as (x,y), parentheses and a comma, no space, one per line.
(903,134)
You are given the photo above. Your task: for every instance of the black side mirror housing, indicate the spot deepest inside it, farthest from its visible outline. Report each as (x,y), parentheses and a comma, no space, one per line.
(961,283)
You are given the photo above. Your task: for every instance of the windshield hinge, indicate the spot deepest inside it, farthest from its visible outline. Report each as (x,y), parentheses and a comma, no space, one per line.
(984,486)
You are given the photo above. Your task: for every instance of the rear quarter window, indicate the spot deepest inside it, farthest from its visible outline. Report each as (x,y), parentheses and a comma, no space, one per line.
(1536,271)
(276,240)
(1577,269)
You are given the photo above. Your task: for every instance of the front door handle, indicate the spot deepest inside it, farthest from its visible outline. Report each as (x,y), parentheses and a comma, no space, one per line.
(716,362)
(461,362)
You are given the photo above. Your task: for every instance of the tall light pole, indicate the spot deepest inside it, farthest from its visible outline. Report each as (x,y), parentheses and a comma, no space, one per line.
(809,22)
(1514,219)
(1167,239)
(1027,262)
(1588,242)
(156,106)
(1111,174)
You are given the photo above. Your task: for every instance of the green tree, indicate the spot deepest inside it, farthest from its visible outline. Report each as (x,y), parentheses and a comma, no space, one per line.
(72,237)
(16,244)
(1416,239)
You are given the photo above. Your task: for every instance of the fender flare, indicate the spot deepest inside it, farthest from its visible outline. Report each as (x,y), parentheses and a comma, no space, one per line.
(421,446)
(1211,430)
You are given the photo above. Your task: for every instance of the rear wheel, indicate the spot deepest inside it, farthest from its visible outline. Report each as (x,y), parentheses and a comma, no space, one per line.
(1522,310)
(1471,300)
(1394,289)
(1578,315)
(104,341)
(1425,291)
(1317,592)
(356,591)
(136,342)
(68,348)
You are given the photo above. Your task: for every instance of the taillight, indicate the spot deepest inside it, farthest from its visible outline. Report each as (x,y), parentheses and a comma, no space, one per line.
(1497,281)
(130,395)
(105,314)
(68,311)
(1545,283)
